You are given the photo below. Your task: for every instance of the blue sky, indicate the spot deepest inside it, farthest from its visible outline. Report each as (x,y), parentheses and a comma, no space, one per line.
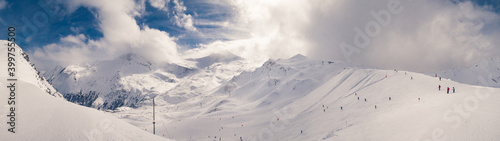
(93,30)
(84,21)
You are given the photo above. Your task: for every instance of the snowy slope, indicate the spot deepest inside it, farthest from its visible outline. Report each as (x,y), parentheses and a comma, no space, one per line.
(279,99)
(124,81)
(484,73)
(130,80)
(40,116)
(29,72)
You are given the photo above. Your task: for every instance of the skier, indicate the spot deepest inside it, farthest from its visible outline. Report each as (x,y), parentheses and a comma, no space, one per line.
(419,99)
(448,90)
(411,77)
(340,107)
(375,106)
(358,97)
(365,99)
(439,87)
(300,131)
(389,98)
(324,110)
(439,78)
(453,89)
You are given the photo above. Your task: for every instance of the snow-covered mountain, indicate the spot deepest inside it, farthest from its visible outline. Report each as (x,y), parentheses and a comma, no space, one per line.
(28,71)
(290,99)
(223,97)
(484,73)
(40,113)
(131,79)
(124,81)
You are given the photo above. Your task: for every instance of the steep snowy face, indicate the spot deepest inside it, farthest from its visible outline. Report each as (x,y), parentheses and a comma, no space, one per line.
(293,77)
(218,71)
(485,73)
(131,79)
(26,70)
(125,81)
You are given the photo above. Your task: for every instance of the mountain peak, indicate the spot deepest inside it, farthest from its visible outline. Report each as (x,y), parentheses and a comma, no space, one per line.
(223,56)
(298,57)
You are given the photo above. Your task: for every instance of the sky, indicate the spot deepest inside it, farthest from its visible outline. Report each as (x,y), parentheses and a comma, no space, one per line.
(416,35)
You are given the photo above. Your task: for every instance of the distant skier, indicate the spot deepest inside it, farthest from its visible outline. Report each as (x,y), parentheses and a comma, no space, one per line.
(411,77)
(300,131)
(340,107)
(356,94)
(365,99)
(358,97)
(453,89)
(440,78)
(448,90)
(375,106)
(324,110)
(419,99)
(389,98)
(439,87)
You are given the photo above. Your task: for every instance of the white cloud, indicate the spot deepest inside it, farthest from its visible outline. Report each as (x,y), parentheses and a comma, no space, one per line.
(3,4)
(182,19)
(121,35)
(79,39)
(160,4)
(426,35)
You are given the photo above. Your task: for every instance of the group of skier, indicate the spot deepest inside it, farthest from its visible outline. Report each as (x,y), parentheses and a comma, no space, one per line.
(447,89)
(356,94)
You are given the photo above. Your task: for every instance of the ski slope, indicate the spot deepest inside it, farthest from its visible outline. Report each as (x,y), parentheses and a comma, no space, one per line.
(40,115)
(279,99)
